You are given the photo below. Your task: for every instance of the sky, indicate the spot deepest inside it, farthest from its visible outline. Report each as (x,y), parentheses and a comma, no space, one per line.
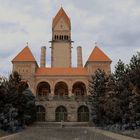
(113,24)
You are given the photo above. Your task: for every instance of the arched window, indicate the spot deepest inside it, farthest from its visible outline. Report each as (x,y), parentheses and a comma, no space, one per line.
(79,89)
(60,114)
(62,37)
(83,114)
(57,37)
(61,89)
(65,37)
(40,113)
(43,89)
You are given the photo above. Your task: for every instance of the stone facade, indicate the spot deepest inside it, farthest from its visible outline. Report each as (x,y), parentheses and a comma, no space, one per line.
(61,90)
(72,107)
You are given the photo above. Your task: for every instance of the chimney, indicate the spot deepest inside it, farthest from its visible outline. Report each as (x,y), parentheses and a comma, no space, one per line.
(79,57)
(43,57)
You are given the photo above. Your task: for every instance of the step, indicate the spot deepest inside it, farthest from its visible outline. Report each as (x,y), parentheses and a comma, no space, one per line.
(58,124)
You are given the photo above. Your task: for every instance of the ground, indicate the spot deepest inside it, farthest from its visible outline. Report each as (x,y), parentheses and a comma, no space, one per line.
(69,133)
(2,133)
(132,133)
(34,133)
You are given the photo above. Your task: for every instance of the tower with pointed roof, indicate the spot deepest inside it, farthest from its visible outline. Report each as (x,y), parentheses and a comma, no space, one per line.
(26,65)
(98,60)
(61,90)
(61,40)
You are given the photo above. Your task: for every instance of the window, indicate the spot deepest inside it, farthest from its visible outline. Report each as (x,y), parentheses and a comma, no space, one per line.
(61,114)
(83,114)
(40,113)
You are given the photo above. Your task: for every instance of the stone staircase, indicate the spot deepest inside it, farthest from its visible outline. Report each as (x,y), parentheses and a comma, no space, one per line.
(58,124)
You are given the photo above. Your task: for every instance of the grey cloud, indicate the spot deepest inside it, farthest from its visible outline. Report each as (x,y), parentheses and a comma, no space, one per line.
(117,33)
(8,26)
(11,27)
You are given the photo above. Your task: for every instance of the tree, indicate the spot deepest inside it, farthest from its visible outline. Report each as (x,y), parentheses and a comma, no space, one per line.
(115,99)
(134,86)
(112,105)
(122,90)
(97,86)
(18,103)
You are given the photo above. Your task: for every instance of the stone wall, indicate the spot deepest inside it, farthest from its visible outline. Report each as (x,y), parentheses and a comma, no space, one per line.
(71,107)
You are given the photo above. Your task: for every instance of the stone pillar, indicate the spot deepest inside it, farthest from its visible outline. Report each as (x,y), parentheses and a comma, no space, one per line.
(52,92)
(70,92)
(79,57)
(43,57)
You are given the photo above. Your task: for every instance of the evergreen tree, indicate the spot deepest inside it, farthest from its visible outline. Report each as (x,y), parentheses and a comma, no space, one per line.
(122,91)
(97,86)
(112,105)
(134,86)
(17,103)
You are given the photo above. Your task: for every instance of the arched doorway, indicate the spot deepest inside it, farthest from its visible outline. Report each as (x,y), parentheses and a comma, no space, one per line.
(60,114)
(43,89)
(83,114)
(40,113)
(61,89)
(79,89)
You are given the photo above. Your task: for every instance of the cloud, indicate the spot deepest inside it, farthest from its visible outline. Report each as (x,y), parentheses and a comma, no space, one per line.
(114,25)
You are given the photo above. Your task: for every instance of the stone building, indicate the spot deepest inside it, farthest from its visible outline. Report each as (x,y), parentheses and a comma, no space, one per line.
(61,90)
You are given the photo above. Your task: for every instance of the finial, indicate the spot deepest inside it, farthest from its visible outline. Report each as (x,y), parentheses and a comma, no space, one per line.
(96,44)
(26,43)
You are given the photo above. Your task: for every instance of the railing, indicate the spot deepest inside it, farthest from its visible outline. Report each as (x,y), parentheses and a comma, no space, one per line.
(60,98)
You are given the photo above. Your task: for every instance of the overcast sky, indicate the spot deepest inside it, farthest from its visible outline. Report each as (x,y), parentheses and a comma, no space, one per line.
(114,24)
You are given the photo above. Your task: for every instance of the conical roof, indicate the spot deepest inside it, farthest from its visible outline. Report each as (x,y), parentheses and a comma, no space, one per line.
(98,55)
(61,13)
(25,56)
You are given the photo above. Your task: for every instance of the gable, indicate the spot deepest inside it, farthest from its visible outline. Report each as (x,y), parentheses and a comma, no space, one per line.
(61,25)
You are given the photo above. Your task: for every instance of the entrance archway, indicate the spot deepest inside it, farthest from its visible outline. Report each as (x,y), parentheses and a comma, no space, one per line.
(83,114)
(61,89)
(43,89)
(40,113)
(61,114)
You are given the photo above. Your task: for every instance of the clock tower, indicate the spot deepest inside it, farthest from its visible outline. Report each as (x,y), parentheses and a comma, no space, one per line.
(61,40)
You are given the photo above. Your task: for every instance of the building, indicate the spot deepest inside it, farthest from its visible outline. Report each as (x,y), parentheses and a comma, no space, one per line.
(61,90)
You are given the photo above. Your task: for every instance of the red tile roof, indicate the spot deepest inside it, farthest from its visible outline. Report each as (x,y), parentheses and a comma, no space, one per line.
(98,55)
(61,13)
(61,71)
(25,55)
